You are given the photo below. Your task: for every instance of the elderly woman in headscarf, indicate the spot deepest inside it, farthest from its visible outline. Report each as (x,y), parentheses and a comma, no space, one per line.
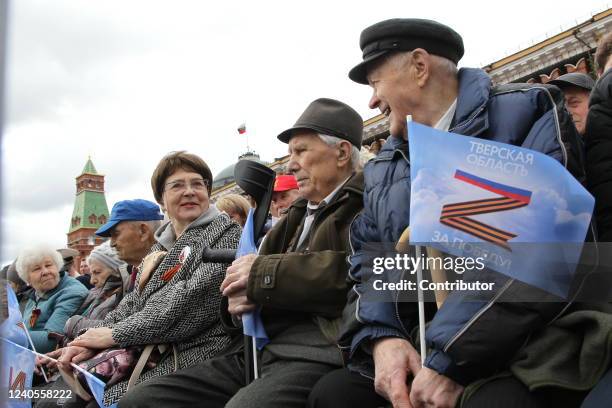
(54,298)
(176,298)
(110,278)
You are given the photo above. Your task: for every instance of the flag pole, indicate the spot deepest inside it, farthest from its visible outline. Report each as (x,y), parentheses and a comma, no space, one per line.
(419,277)
(254,359)
(256,180)
(27,333)
(243,131)
(21,324)
(419,274)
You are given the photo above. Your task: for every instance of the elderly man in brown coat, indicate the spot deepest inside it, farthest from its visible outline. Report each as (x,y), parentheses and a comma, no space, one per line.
(298,279)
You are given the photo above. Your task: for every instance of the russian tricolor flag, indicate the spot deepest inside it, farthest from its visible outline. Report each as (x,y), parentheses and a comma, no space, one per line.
(242,129)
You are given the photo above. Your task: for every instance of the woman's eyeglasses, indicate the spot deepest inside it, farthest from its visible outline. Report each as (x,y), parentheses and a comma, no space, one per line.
(179,186)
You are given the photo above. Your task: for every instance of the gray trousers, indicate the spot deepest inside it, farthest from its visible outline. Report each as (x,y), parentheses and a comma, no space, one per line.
(219,382)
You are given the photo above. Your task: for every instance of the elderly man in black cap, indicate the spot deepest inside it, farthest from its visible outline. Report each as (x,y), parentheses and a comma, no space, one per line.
(576,88)
(297,282)
(411,66)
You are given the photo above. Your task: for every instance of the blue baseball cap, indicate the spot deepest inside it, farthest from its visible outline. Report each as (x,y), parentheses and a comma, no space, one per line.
(130,210)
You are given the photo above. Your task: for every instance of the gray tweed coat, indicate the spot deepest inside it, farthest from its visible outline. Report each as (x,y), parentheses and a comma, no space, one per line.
(182,311)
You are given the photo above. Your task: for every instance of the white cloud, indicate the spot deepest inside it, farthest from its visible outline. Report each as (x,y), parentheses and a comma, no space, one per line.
(128,81)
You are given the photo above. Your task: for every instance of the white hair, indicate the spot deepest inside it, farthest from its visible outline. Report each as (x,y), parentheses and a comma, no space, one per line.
(445,66)
(333,140)
(30,256)
(399,60)
(365,156)
(153,224)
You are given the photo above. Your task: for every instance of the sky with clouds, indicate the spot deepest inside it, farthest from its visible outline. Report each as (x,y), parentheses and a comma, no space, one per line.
(128,81)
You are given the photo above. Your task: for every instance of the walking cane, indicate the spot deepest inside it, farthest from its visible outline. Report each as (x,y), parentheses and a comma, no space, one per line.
(257,180)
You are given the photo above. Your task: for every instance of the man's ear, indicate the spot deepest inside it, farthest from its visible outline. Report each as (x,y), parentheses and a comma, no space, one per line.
(421,63)
(144,231)
(344,152)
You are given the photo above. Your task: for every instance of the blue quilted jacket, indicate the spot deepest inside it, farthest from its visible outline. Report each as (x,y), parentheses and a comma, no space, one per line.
(467,340)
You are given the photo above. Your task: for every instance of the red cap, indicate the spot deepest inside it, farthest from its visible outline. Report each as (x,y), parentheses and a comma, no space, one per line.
(284,183)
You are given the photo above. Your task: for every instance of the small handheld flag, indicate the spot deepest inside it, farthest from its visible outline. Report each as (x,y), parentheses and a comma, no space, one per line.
(251,322)
(520,210)
(16,373)
(12,328)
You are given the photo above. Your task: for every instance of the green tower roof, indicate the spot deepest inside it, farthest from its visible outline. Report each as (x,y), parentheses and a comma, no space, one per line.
(90,208)
(89,168)
(88,203)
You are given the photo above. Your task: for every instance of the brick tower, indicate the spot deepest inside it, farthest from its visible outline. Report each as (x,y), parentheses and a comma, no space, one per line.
(90,211)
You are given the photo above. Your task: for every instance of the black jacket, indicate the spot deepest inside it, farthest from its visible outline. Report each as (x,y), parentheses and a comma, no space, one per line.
(599,154)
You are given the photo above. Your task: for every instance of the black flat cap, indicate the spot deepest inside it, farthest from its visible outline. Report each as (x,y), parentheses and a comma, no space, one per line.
(405,34)
(574,79)
(329,117)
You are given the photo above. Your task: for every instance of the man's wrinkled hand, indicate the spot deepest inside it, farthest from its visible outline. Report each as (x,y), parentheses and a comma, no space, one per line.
(395,360)
(74,354)
(234,286)
(430,389)
(42,361)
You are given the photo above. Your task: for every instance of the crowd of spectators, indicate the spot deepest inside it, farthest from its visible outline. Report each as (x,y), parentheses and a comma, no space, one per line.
(171,319)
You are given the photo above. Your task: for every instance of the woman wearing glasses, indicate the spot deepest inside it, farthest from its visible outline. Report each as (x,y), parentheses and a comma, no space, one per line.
(176,298)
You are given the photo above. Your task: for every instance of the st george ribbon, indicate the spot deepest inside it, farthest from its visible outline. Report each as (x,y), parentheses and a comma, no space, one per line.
(455,215)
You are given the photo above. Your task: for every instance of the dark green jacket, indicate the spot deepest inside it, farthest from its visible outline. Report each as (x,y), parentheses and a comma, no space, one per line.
(289,284)
(571,353)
